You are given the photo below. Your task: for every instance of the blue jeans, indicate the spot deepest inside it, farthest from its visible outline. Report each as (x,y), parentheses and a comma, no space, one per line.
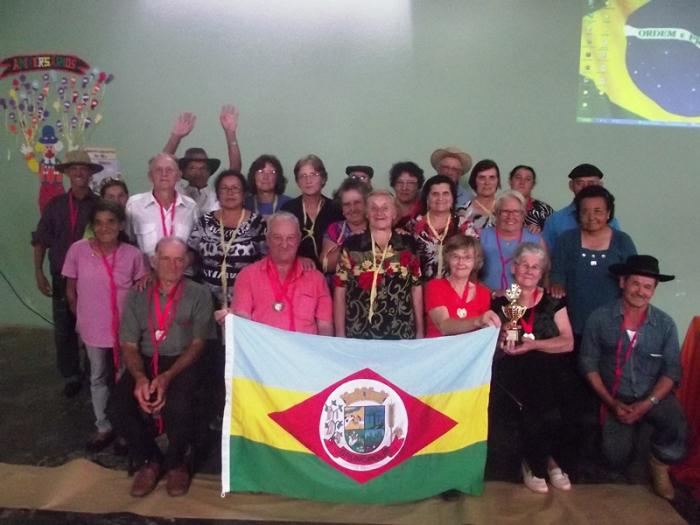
(668,439)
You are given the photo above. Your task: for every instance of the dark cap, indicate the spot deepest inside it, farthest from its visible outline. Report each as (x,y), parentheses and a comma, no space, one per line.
(363,169)
(585,170)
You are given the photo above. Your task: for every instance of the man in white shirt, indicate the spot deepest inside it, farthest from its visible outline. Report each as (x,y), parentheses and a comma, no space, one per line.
(161,212)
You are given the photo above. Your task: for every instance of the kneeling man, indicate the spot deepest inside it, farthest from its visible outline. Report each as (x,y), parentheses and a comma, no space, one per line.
(631,357)
(163,330)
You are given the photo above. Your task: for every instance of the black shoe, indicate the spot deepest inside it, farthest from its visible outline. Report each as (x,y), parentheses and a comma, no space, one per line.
(72,388)
(99,442)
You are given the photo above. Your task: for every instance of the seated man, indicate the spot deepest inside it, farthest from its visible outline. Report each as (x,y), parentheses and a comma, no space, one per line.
(162,333)
(278,291)
(631,358)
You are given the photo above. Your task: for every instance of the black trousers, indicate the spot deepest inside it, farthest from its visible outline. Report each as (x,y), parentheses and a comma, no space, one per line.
(178,413)
(65,338)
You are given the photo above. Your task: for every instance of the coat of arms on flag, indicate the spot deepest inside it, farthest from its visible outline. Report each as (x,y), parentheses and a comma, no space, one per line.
(337,419)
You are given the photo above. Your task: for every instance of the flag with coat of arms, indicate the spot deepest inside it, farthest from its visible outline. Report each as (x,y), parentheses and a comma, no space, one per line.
(350,420)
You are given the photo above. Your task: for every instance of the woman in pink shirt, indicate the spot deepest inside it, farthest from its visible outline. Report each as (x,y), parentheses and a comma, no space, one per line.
(100,271)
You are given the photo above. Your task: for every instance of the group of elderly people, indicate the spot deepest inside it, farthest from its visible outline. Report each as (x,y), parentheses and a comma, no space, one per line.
(427,259)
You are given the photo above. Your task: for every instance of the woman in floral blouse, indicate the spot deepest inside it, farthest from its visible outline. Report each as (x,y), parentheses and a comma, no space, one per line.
(430,229)
(377,293)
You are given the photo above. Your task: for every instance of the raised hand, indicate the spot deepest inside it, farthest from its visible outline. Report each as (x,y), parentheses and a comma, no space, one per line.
(184,124)
(229,118)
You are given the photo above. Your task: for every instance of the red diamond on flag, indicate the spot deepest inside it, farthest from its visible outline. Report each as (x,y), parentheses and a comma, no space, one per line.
(363,425)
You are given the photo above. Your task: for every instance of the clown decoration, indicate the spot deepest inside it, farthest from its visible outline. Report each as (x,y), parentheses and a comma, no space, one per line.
(64,108)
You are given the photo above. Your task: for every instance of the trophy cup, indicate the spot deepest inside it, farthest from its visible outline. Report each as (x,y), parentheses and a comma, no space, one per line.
(513,313)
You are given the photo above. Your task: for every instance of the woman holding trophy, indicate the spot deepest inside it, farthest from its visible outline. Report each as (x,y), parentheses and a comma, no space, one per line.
(531,368)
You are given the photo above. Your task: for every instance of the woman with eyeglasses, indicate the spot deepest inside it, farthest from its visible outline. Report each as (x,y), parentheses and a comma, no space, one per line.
(583,255)
(406,178)
(314,210)
(227,240)
(532,377)
(500,242)
(266,183)
(457,303)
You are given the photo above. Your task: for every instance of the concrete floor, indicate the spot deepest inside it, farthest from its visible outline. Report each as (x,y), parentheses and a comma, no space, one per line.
(39,426)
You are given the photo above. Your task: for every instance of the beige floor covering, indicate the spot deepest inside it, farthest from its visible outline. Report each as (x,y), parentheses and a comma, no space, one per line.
(82,486)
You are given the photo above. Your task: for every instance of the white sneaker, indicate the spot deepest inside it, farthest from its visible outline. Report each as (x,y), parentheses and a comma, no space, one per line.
(559,479)
(532,482)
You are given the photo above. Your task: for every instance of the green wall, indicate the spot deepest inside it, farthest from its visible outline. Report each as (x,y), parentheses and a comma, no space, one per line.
(355,82)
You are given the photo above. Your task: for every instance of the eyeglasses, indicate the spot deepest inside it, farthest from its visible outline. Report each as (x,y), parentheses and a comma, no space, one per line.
(511,212)
(272,173)
(309,176)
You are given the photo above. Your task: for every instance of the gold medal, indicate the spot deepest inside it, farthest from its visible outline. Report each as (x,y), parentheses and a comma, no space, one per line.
(160,336)
(461,313)
(529,336)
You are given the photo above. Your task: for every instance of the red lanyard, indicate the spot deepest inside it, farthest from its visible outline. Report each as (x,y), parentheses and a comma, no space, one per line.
(504,261)
(72,215)
(162,216)
(280,289)
(628,353)
(529,325)
(528,207)
(109,268)
(164,320)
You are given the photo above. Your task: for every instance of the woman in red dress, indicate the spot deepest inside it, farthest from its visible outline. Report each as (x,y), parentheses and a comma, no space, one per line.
(457,303)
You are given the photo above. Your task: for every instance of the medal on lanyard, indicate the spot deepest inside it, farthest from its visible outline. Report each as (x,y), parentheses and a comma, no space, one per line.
(529,325)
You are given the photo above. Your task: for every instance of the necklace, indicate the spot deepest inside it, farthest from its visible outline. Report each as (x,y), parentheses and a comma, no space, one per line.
(225,248)
(309,232)
(375,273)
(440,239)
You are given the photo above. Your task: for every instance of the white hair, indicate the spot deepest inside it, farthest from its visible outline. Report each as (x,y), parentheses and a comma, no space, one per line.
(282,216)
(509,194)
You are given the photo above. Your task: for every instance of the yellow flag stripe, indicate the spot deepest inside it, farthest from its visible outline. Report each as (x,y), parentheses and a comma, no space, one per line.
(255,401)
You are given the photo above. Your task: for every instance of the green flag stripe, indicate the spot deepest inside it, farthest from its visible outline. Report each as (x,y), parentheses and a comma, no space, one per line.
(260,468)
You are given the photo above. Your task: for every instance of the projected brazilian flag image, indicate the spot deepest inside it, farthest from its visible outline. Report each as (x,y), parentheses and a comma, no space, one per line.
(348,420)
(640,63)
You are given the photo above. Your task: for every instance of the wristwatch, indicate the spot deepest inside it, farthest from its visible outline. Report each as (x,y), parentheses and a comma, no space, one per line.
(654,400)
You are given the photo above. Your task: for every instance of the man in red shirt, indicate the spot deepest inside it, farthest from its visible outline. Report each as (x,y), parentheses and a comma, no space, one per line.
(278,291)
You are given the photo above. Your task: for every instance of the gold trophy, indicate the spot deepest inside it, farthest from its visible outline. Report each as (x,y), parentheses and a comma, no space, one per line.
(513,313)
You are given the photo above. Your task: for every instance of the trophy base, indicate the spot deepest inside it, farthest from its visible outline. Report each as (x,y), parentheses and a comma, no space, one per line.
(513,334)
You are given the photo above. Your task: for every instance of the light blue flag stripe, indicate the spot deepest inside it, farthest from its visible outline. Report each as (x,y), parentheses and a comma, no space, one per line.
(309,363)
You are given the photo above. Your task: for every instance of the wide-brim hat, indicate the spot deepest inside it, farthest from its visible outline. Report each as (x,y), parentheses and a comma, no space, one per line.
(78,157)
(200,155)
(451,151)
(645,265)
